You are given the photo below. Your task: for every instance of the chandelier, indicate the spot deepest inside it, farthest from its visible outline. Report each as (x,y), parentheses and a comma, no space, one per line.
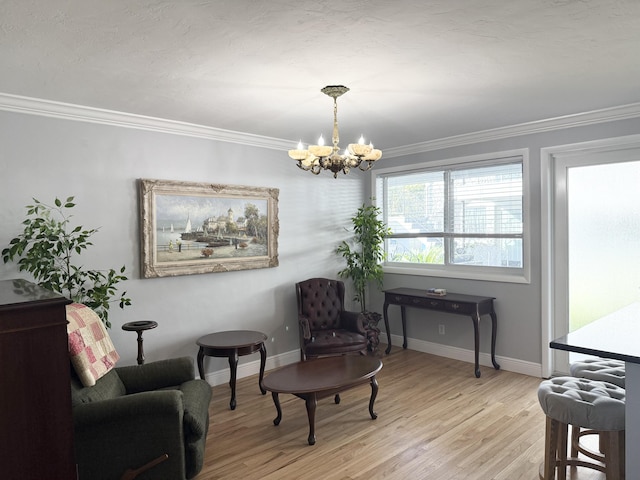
(320,157)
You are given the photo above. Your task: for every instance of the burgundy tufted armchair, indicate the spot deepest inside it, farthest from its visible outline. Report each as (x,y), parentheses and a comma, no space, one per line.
(325,328)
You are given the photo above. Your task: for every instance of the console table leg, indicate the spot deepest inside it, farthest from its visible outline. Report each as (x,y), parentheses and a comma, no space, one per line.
(311,402)
(386,326)
(233,366)
(476,320)
(404,326)
(201,362)
(263,361)
(276,402)
(374,394)
(494,333)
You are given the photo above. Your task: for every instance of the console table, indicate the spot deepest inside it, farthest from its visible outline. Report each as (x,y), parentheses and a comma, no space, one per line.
(468,305)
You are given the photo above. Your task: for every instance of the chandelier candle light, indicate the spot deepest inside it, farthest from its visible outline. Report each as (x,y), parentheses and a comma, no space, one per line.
(320,157)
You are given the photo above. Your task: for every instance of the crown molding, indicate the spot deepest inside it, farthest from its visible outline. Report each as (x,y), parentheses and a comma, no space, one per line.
(67,111)
(594,117)
(79,113)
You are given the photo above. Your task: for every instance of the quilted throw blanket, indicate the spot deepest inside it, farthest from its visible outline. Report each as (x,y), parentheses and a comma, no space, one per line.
(90,348)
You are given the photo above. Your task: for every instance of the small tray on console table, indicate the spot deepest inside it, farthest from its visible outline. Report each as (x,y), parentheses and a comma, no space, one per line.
(456,303)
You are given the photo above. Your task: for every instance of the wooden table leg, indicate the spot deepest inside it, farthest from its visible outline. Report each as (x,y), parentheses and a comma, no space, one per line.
(276,402)
(263,362)
(140,358)
(374,394)
(311,401)
(494,333)
(233,365)
(403,314)
(476,320)
(386,326)
(201,362)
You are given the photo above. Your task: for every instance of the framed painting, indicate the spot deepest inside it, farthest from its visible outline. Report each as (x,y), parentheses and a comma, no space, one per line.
(188,228)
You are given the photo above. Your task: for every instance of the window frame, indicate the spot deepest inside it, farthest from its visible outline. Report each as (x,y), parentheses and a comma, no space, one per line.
(497,274)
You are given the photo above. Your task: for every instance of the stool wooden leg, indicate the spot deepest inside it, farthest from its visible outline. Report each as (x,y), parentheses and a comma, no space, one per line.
(614,456)
(550,449)
(575,440)
(561,455)
(622,448)
(555,452)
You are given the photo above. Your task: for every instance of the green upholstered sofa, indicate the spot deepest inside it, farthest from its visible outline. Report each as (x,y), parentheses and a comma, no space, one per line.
(136,414)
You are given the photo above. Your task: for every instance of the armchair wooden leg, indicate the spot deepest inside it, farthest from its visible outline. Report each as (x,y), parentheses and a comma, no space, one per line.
(132,473)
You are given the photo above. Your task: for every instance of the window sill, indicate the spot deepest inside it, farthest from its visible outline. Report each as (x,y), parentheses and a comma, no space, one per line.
(484,274)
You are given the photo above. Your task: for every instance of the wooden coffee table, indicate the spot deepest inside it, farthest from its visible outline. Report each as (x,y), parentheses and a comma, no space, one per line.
(323,377)
(233,344)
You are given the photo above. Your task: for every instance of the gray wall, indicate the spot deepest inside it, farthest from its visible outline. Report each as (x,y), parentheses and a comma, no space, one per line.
(47,157)
(518,306)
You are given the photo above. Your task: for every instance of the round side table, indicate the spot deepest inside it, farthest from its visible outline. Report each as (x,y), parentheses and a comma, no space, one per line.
(140,327)
(233,344)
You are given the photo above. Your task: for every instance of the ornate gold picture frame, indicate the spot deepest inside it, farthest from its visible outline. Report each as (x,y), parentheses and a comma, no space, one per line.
(191,228)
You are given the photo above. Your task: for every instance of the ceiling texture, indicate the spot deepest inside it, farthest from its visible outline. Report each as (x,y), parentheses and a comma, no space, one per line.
(418,70)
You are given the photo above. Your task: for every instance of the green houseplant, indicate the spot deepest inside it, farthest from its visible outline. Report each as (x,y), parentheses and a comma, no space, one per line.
(48,248)
(364,254)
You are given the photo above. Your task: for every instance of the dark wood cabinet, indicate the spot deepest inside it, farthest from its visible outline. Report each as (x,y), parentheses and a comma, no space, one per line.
(36,427)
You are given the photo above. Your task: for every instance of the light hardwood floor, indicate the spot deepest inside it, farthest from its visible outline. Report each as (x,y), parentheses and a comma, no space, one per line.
(435,421)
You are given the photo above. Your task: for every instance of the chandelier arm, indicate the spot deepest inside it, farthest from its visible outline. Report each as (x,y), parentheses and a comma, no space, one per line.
(368,167)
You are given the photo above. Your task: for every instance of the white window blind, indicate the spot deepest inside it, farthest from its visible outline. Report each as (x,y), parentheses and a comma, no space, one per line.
(456,215)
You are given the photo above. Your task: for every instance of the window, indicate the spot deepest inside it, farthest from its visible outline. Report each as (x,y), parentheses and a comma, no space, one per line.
(462,218)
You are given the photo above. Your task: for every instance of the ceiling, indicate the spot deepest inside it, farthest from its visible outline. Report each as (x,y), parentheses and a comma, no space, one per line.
(418,70)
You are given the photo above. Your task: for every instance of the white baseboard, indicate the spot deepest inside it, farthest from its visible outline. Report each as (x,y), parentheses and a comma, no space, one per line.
(220,377)
(509,364)
(464,355)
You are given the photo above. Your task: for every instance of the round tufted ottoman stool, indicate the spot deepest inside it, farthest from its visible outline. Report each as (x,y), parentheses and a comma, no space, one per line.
(587,404)
(602,370)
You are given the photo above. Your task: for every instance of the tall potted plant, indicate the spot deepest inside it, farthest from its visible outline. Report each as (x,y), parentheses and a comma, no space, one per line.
(48,248)
(364,255)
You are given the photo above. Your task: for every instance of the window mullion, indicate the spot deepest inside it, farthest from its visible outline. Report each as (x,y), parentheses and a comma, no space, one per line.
(448,218)
(385,209)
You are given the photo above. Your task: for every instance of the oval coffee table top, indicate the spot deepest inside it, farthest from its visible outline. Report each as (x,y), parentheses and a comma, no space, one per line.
(320,374)
(232,339)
